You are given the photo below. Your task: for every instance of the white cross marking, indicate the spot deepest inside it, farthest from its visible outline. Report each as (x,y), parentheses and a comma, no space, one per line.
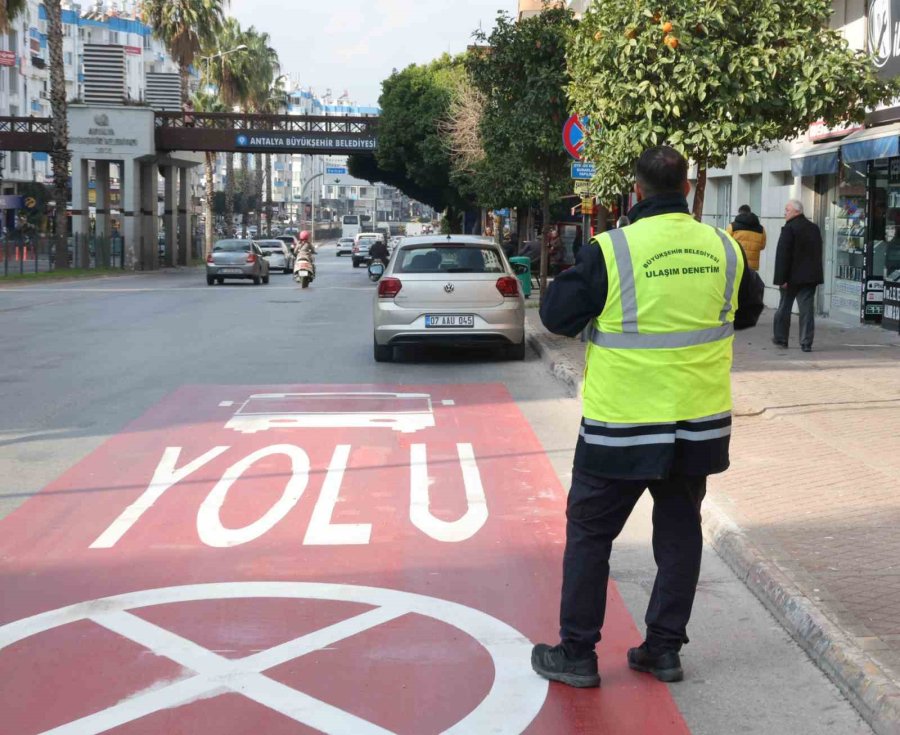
(217,675)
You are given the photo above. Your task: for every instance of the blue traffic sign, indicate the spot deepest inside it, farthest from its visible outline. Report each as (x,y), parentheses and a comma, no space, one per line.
(583,171)
(335,170)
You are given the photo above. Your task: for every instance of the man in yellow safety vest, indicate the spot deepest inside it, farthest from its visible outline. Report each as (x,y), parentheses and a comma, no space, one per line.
(661,297)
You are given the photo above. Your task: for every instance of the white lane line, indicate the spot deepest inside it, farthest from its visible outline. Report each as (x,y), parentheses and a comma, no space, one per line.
(225,404)
(448,403)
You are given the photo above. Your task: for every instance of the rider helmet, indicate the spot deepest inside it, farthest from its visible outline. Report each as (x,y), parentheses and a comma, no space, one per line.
(304,236)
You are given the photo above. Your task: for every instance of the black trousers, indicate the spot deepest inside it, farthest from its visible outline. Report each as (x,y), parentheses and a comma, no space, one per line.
(596,513)
(806,298)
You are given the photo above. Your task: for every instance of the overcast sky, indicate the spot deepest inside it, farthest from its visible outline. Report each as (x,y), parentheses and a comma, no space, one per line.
(354,44)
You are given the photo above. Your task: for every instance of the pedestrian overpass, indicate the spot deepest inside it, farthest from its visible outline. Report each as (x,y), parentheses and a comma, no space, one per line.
(143,142)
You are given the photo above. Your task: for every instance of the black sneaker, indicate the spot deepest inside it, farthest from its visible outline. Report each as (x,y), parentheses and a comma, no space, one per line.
(553,663)
(806,348)
(779,343)
(665,666)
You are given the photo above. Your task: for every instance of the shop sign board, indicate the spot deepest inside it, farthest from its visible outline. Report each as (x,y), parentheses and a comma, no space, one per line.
(7,58)
(819,131)
(884,36)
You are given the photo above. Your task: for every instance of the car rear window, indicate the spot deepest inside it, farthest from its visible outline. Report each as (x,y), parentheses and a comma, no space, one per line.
(232,246)
(448,259)
(271,246)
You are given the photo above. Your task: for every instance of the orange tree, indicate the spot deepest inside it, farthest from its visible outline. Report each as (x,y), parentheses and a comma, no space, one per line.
(711,78)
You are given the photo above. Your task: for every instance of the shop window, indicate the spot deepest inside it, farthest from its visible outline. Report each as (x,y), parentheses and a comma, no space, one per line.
(781,178)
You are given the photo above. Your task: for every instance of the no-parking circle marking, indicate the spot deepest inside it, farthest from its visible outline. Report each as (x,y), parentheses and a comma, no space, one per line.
(514,700)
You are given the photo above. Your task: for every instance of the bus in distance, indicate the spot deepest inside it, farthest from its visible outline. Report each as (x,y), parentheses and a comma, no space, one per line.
(350,225)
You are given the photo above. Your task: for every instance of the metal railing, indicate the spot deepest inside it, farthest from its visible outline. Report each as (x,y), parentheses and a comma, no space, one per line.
(349,124)
(20,255)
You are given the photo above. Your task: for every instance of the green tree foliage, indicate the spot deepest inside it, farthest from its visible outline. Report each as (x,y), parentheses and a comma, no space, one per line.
(412,154)
(9,9)
(185,27)
(522,75)
(711,78)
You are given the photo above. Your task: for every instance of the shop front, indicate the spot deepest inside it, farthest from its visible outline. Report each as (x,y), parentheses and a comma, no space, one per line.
(857,205)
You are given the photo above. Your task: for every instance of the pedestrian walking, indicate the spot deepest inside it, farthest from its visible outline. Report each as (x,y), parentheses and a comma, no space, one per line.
(749,232)
(663,296)
(187,110)
(798,271)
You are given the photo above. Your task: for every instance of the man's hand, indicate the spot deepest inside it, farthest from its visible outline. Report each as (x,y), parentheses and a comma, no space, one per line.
(783,286)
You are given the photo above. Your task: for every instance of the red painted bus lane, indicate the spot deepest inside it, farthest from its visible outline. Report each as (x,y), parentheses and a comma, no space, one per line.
(299,559)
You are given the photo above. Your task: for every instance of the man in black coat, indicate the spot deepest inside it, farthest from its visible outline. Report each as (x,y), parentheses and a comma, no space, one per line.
(798,270)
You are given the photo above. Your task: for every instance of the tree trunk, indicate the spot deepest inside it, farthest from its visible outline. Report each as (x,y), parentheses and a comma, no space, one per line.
(229,194)
(259,193)
(184,73)
(268,195)
(545,236)
(210,200)
(700,191)
(245,193)
(59,129)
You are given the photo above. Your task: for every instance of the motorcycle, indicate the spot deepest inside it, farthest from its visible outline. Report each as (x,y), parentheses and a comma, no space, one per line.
(304,270)
(376,270)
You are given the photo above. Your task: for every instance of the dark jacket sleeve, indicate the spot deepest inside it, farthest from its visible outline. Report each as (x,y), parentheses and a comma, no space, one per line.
(751,291)
(784,256)
(577,295)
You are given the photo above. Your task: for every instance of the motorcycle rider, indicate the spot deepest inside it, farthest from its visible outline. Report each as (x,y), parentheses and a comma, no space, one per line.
(379,251)
(305,250)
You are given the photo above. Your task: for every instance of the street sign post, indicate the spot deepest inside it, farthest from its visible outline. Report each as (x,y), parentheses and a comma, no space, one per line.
(574,136)
(582,187)
(583,171)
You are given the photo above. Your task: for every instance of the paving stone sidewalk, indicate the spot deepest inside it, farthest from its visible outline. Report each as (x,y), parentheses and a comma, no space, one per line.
(809,513)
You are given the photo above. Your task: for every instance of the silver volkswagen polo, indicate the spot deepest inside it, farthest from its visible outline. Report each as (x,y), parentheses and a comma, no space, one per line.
(450,289)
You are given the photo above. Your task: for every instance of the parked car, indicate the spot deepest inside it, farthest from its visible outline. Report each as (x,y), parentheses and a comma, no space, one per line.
(453,289)
(278,254)
(363,242)
(344,246)
(236,259)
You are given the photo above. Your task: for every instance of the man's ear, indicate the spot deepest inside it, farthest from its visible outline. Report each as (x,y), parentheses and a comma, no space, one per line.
(686,187)
(639,192)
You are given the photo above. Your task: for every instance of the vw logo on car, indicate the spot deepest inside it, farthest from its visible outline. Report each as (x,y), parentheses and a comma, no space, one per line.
(449,288)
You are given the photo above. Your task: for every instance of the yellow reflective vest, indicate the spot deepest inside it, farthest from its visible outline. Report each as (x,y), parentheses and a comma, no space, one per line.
(661,350)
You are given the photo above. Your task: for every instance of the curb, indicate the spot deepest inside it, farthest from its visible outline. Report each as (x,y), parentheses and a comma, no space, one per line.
(874,695)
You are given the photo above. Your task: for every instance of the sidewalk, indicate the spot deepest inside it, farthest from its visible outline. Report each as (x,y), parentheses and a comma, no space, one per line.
(809,513)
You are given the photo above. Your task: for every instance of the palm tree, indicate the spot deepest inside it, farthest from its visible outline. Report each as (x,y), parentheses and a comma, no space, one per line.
(228,73)
(59,126)
(265,68)
(9,9)
(206,102)
(185,27)
(276,102)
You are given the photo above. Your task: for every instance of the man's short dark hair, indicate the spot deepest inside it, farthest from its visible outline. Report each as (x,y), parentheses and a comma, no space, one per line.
(745,209)
(661,170)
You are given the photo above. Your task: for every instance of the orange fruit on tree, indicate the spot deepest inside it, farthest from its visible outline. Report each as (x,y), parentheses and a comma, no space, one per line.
(671,42)
(667,27)
(598,36)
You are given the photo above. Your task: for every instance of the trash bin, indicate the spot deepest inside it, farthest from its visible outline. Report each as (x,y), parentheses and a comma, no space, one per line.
(522,266)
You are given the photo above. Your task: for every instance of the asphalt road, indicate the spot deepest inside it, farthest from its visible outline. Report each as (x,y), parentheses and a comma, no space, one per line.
(81,360)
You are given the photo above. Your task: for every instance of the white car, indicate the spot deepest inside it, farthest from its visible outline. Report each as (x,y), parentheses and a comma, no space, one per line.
(344,246)
(449,289)
(277,253)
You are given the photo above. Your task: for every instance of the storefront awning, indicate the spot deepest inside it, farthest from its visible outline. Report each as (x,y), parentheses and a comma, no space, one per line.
(882,141)
(821,158)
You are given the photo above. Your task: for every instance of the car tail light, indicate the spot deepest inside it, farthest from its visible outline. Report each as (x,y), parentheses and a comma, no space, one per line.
(388,288)
(508,286)
(251,258)
(209,258)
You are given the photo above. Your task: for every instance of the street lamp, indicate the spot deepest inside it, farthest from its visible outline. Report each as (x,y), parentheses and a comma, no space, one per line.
(312,209)
(208,59)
